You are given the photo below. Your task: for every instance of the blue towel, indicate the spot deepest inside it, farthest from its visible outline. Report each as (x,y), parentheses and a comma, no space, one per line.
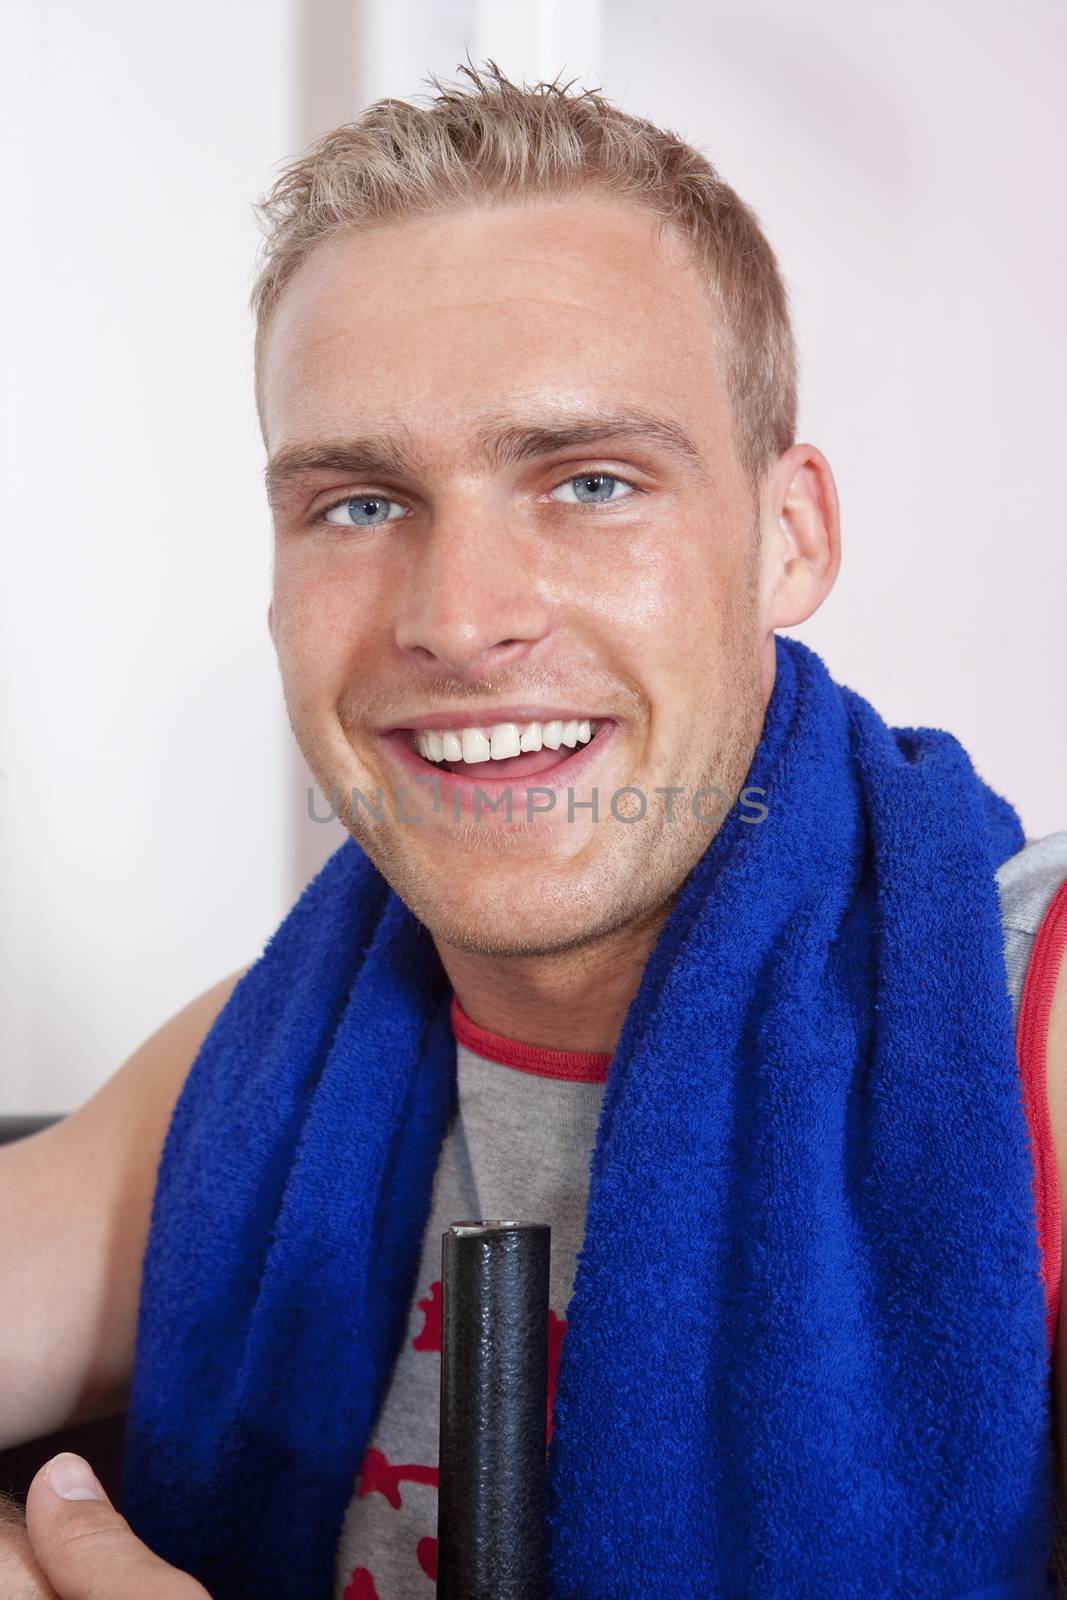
(806,1352)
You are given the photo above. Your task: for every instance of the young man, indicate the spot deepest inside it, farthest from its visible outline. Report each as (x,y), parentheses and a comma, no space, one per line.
(652,931)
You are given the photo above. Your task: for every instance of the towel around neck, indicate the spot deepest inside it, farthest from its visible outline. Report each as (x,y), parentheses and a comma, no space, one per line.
(806,1348)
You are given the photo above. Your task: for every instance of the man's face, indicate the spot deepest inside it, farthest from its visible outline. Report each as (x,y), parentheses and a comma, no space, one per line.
(506,495)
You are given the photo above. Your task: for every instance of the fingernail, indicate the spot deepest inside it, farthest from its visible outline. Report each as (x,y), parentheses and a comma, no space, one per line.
(72,1478)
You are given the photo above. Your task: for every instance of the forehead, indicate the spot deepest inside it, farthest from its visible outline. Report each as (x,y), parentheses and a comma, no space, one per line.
(429,325)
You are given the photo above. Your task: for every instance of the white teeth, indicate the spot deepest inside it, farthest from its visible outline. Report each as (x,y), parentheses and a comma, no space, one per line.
(504,741)
(476,746)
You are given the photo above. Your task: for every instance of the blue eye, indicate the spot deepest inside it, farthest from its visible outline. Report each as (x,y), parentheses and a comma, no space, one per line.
(373,510)
(592,488)
(364,510)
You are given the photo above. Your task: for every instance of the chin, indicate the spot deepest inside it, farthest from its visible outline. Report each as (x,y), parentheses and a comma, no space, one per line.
(510,936)
(497,913)
(490,913)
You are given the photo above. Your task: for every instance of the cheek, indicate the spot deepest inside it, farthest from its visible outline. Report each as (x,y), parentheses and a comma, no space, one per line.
(634,586)
(327,618)
(663,598)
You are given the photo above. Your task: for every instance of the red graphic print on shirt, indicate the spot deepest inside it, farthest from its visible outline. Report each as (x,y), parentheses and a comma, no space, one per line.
(426,1555)
(378,1475)
(360,1586)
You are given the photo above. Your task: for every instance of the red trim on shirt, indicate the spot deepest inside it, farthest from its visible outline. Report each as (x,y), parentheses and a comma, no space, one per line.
(1031,1043)
(580,1066)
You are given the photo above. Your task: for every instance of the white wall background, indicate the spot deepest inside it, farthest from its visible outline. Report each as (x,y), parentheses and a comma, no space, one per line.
(144,812)
(909,161)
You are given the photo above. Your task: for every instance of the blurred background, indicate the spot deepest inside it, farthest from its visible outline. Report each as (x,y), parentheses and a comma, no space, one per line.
(908,160)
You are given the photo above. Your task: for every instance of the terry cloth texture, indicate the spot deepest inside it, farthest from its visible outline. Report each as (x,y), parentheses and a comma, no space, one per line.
(806,1351)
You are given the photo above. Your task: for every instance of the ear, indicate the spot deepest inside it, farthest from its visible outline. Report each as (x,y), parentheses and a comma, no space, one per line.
(801,528)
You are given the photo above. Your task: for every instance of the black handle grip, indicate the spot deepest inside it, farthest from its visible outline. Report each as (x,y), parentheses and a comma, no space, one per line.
(494,1399)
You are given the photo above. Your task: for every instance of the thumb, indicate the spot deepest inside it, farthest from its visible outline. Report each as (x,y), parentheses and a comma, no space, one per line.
(86,1549)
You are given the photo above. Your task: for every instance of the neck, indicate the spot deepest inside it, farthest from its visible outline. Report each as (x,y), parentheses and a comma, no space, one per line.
(574,999)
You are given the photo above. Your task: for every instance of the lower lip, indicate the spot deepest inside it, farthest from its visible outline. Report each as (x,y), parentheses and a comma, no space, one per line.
(458,791)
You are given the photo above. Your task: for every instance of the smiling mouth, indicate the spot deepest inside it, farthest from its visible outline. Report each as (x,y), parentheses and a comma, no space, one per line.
(503,749)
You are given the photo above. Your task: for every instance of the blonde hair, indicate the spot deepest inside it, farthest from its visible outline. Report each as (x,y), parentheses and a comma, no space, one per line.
(495,141)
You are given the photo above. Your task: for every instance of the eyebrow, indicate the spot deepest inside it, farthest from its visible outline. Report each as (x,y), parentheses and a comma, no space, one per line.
(497,444)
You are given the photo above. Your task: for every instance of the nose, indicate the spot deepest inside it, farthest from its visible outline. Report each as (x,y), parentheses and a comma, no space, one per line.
(471,604)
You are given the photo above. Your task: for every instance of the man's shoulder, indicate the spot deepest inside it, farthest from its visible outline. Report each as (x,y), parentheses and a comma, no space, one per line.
(1027,881)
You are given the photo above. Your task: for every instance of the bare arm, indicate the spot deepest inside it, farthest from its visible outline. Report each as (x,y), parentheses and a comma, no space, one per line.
(75,1205)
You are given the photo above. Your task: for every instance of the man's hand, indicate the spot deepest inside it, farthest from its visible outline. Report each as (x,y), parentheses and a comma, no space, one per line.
(79,1548)
(20,1576)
